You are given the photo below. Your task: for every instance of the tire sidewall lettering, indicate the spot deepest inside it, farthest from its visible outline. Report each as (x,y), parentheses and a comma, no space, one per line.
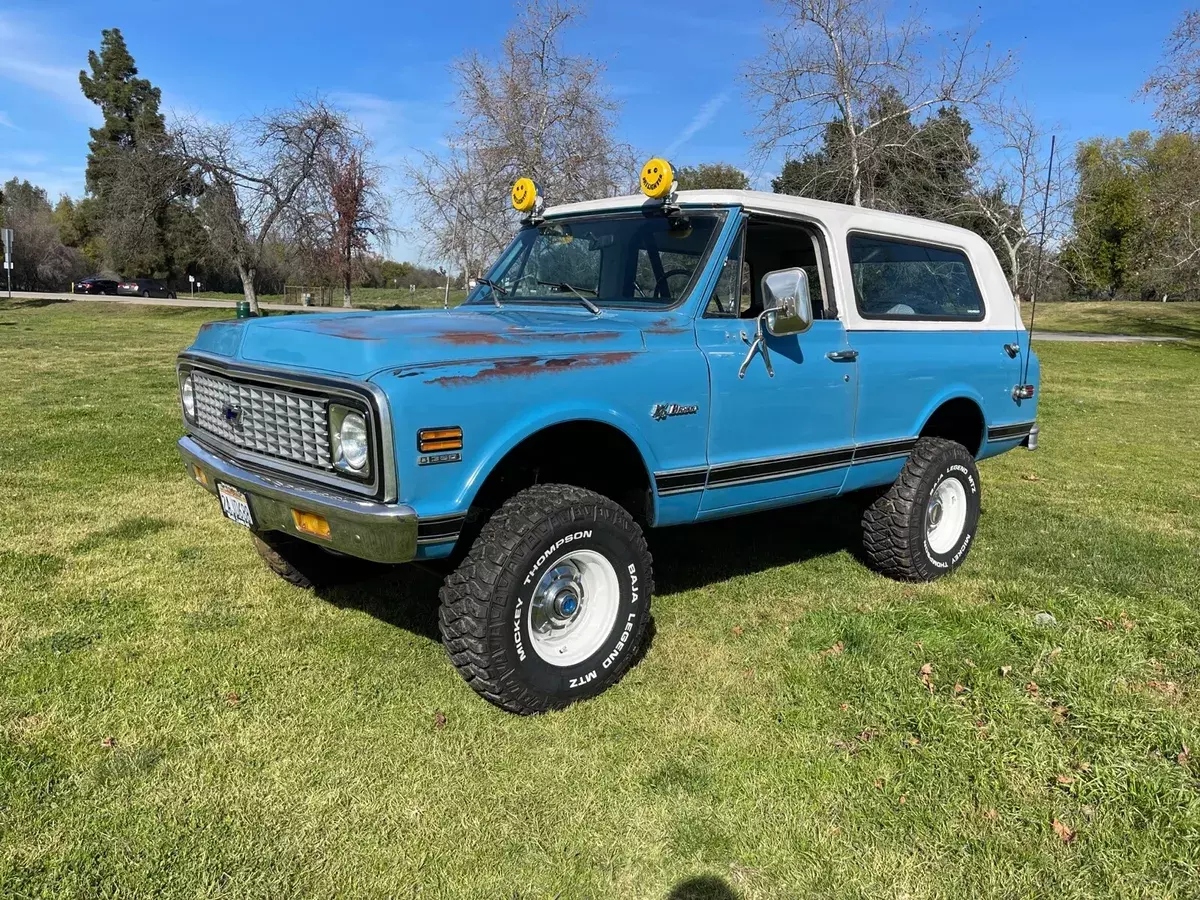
(591,675)
(969,480)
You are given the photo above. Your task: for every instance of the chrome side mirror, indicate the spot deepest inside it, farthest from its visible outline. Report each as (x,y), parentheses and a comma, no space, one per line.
(787,301)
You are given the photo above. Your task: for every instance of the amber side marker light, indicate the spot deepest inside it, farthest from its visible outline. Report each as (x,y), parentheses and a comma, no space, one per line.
(434,440)
(311,523)
(200,476)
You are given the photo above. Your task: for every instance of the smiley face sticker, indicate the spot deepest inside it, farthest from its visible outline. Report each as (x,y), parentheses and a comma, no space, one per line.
(524,194)
(657,178)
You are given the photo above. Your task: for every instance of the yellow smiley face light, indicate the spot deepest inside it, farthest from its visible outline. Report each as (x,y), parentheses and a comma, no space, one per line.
(657,178)
(524,194)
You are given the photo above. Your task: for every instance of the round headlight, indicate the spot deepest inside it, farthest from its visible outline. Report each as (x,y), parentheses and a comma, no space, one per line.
(352,438)
(189,398)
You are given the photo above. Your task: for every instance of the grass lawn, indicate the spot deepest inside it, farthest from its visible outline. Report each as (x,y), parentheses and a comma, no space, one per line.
(175,721)
(1119,317)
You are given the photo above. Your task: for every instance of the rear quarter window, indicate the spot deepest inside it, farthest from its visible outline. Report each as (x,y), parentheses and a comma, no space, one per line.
(902,280)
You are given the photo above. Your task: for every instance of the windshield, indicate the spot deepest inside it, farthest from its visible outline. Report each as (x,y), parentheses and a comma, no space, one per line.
(631,259)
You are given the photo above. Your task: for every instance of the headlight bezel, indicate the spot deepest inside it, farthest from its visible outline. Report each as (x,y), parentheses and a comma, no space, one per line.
(339,415)
(187,391)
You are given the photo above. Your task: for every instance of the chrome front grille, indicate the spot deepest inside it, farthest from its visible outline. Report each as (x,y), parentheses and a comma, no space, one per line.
(267,420)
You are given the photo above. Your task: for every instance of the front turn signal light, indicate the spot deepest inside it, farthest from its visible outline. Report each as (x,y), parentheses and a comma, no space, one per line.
(311,523)
(435,440)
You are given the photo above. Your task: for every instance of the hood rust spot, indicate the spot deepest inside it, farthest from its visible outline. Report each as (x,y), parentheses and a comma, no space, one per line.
(529,366)
(345,328)
(514,336)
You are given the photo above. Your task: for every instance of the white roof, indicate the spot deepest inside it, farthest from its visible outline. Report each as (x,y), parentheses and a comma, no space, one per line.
(838,219)
(832,214)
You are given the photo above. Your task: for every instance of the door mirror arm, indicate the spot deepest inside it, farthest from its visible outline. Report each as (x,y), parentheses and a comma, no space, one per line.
(759,344)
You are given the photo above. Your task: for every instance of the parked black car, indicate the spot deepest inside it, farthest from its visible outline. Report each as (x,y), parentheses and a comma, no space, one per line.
(144,287)
(96,285)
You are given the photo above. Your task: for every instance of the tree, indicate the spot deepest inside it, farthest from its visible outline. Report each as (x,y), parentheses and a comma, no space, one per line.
(712,176)
(129,105)
(1008,195)
(842,65)
(357,213)
(1175,84)
(40,260)
(260,180)
(535,111)
(916,169)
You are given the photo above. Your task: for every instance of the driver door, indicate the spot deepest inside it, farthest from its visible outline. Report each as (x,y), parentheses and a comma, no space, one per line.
(774,438)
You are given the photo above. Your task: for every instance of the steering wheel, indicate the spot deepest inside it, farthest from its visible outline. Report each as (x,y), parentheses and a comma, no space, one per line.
(661,282)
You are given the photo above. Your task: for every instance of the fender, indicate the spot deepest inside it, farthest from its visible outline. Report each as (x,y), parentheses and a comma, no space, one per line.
(532,421)
(954,391)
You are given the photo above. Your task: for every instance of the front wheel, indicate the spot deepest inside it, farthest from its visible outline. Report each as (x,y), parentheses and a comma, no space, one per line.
(551,603)
(922,528)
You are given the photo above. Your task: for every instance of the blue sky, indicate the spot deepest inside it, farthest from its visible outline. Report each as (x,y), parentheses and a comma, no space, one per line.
(675,67)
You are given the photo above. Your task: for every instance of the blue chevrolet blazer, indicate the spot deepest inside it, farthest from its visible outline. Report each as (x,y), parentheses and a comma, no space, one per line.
(625,364)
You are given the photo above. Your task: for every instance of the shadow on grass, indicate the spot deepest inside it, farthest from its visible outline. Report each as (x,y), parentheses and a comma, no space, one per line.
(31,302)
(703,887)
(693,556)
(686,557)
(403,596)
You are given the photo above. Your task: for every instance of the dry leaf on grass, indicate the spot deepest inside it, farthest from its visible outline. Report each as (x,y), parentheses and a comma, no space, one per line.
(1065,832)
(835,650)
(1065,779)
(1005,671)
(1107,623)
(1029,476)
(844,706)
(991,815)
(737,630)
(439,719)
(958,688)
(109,743)
(865,735)
(1183,756)
(1061,713)
(233,698)
(925,675)
(1031,689)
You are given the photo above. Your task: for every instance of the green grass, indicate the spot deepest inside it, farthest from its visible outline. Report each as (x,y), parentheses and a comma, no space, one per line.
(1119,317)
(268,742)
(366,298)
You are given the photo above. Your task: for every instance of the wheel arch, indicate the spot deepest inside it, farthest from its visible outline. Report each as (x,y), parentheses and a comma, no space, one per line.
(958,417)
(586,448)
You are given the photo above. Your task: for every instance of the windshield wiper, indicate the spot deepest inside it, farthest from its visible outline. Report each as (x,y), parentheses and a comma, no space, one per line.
(497,289)
(563,286)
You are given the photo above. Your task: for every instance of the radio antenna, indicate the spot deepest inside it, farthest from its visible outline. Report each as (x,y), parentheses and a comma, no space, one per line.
(1037,272)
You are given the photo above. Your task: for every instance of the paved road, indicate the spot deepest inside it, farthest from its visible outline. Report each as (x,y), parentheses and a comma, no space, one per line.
(153,301)
(1086,338)
(1078,336)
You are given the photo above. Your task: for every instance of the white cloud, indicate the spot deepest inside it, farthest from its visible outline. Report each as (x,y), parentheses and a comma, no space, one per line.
(700,121)
(24,61)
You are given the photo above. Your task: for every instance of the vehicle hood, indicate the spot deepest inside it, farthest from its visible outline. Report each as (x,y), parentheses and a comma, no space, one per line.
(362,343)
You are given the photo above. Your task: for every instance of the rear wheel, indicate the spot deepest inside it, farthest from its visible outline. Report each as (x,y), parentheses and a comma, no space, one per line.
(551,603)
(924,525)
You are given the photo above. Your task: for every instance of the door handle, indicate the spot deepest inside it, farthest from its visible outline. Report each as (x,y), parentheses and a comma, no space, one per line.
(842,355)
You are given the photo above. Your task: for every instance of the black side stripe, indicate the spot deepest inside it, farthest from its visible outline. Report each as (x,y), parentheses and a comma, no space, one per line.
(442,528)
(1008,432)
(681,481)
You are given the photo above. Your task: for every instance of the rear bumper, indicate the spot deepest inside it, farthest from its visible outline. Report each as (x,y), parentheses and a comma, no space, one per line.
(381,532)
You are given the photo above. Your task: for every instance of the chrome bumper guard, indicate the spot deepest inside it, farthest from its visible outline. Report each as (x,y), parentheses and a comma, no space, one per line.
(1030,443)
(380,532)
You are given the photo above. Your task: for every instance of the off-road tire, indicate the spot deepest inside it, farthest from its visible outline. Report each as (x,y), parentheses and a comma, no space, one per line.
(298,562)
(484,616)
(894,526)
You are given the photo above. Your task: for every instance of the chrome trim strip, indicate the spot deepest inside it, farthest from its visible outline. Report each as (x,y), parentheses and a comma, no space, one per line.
(1008,432)
(440,529)
(367,529)
(362,390)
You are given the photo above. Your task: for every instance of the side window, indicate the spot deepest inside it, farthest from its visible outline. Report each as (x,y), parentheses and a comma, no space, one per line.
(732,296)
(896,279)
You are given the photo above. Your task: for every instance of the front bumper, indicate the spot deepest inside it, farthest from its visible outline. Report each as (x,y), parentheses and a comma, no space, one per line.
(367,529)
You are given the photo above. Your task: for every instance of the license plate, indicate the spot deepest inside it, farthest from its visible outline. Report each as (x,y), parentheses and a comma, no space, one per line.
(234,505)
